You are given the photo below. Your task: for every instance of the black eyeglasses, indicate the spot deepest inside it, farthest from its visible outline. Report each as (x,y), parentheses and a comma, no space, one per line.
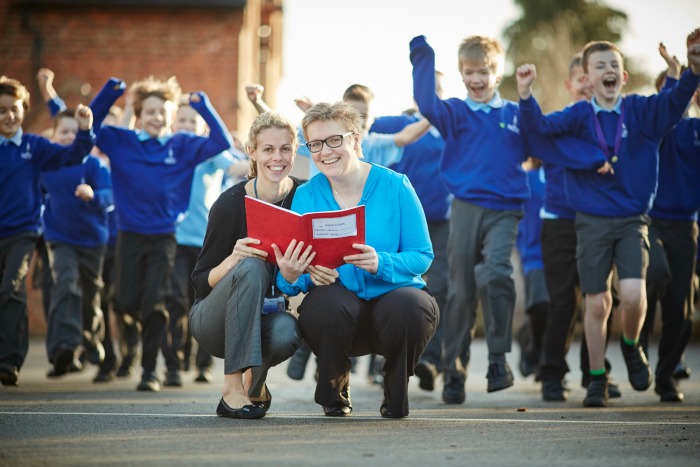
(332,142)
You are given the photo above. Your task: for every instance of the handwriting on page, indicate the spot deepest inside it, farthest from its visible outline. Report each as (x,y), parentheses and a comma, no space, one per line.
(335,227)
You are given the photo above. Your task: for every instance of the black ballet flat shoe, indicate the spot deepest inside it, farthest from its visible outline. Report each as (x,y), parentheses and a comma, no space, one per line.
(246,412)
(265,404)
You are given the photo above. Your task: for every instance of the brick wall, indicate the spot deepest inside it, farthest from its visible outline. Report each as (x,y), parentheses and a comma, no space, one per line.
(210,49)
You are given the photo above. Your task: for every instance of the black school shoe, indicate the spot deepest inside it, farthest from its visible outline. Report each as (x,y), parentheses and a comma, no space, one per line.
(8,374)
(553,390)
(426,373)
(173,379)
(453,390)
(682,371)
(596,394)
(499,377)
(669,391)
(340,408)
(149,382)
(638,368)
(249,412)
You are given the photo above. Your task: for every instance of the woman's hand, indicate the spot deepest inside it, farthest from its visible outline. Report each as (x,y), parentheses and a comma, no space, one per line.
(294,261)
(243,250)
(367,260)
(321,275)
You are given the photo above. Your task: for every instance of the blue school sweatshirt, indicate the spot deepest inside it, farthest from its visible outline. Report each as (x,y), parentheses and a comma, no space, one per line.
(22,158)
(421,164)
(399,235)
(678,196)
(481,162)
(67,219)
(528,241)
(631,190)
(152,178)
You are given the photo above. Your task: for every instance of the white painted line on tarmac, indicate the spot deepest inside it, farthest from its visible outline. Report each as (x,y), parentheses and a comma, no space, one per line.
(368,417)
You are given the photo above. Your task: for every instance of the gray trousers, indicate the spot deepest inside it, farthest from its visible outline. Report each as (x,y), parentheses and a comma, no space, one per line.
(75,313)
(478,250)
(228,323)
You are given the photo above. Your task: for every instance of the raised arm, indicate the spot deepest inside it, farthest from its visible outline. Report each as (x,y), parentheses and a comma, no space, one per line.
(219,139)
(412,133)
(254,93)
(429,103)
(58,156)
(44,80)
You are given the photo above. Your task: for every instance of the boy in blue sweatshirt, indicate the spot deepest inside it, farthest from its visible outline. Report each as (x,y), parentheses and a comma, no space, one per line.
(421,164)
(24,157)
(152,176)
(612,204)
(481,167)
(76,202)
(673,236)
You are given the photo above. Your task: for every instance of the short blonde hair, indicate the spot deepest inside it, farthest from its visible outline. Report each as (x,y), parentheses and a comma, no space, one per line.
(341,112)
(481,49)
(168,90)
(12,87)
(264,121)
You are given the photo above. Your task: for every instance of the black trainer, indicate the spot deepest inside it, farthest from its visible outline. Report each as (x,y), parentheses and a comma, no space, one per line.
(637,366)
(596,394)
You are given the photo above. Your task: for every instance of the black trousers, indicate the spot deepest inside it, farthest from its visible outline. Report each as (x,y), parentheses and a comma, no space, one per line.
(436,281)
(15,253)
(559,257)
(144,265)
(672,258)
(338,325)
(177,341)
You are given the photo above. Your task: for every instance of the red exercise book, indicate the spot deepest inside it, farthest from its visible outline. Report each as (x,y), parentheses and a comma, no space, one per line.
(330,233)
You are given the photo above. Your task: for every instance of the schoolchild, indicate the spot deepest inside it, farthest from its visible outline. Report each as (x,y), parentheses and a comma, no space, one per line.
(207,185)
(421,164)
(76,202)
(152,175)
(559,259)
(481,167)
(612,203)
(673,237)
(25,156)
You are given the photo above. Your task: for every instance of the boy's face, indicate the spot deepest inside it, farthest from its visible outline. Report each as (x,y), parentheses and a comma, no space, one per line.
(188,119)
(606,75)
(577,85)
(66,129)
(11,115)
(479,79)
(156,116)
(365,112)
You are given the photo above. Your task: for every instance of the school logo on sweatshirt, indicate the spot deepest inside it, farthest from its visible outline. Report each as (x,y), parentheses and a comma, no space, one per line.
(696,140)
(513,126)
(624,131)
(27,153)
(170,160)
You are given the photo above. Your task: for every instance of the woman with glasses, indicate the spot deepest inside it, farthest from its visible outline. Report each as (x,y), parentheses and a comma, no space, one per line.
(237,315)
(376,302)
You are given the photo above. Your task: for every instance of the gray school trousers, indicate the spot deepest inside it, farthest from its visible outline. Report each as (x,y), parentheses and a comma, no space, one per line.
(478,250)
(228,323)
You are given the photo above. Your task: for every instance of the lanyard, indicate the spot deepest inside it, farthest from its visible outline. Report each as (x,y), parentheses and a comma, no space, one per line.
(618,134)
